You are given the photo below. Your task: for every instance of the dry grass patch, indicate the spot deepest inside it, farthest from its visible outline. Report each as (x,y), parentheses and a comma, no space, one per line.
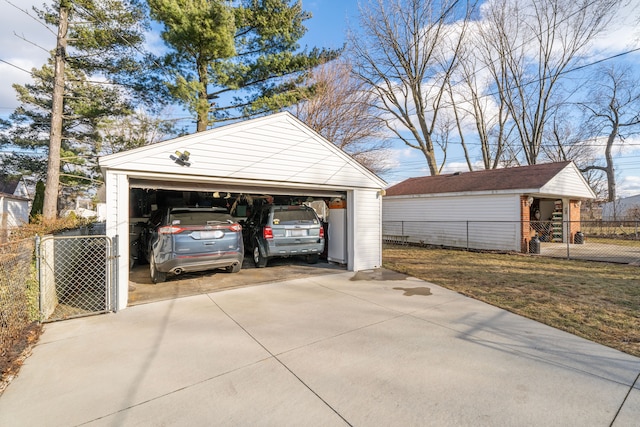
(620,242)
(597,301)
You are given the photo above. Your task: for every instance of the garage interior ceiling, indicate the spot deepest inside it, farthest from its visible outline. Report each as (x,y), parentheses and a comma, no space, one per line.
(150,184)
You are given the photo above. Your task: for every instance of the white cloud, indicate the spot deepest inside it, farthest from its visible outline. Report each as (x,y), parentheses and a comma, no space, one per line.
(24,44)
(628,186)
(623,34)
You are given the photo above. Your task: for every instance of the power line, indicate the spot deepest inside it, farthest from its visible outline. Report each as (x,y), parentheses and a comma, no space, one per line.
(544,145)
(15,66)
(412,110)
(31,16)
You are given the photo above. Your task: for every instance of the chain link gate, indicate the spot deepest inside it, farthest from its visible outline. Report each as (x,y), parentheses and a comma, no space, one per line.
(77,276)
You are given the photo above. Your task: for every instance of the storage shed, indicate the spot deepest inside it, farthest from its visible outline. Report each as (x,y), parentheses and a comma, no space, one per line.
(498,209)
(271,156)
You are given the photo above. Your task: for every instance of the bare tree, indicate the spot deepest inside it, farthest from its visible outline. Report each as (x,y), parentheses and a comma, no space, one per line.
(528,49)
(406,52)
(118,134)
(341,110)
(565,138)
(614,109)
(477,110)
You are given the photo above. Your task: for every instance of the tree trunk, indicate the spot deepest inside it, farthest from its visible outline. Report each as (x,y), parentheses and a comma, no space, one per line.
(611,177)
(203,105)
(50,209)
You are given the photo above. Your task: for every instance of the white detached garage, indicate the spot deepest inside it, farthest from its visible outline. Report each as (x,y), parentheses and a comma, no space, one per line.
(497,209)
(274,155)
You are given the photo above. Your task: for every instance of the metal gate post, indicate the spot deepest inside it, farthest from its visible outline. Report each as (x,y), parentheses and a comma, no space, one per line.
(467,236)
(115,289)
(567,237)
(39,276)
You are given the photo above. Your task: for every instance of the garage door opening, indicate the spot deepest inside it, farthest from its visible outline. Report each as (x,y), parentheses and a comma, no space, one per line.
(243,207)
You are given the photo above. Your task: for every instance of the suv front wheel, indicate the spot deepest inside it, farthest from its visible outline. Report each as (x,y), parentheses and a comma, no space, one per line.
(156,276)
(258,258)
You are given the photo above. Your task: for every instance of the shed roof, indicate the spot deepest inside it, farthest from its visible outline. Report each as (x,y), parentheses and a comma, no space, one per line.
(533,178)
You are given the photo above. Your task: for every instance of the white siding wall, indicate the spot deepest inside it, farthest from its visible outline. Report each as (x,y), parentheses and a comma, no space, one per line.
(117,198)
(366,238)
(14,212)
(477,222)
(569,183)
(22,190)
(277,150)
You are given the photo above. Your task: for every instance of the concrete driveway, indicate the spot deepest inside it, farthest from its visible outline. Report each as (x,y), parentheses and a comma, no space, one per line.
(142,290)
(371,349)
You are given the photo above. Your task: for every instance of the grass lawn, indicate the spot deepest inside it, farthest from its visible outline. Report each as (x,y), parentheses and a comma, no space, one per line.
(597,301)
(619,242)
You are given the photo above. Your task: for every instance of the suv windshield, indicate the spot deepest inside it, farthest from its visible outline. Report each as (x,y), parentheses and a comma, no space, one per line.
(293,216)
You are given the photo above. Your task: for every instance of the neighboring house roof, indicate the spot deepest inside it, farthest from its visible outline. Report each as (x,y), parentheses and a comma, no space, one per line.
(14,186)
(8,185)
(13,197)
(540,179)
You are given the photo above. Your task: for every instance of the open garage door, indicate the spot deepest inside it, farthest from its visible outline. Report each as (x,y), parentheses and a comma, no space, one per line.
(147,196)
(148,184)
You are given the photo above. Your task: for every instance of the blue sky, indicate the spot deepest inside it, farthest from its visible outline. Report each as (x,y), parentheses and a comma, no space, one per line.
(326,29)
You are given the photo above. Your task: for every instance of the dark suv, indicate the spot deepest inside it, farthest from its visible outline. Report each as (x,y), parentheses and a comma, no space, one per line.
(283,231)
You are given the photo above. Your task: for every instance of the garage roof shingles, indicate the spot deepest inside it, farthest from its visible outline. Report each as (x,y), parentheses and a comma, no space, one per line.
(522,177)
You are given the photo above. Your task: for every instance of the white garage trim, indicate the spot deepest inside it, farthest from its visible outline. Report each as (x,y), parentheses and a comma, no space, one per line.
(249,188)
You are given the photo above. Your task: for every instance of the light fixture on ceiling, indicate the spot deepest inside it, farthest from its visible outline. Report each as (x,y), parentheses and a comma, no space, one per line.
(228,196)
(216,195)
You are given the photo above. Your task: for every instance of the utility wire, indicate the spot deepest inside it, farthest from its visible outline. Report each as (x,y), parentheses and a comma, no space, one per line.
(15,66)
(31,16)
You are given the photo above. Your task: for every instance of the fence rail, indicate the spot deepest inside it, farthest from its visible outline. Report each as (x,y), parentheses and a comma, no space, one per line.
(611,241)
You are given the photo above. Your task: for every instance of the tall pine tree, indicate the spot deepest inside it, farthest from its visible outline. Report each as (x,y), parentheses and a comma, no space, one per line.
(86,107)
(98,40)
(232,60)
